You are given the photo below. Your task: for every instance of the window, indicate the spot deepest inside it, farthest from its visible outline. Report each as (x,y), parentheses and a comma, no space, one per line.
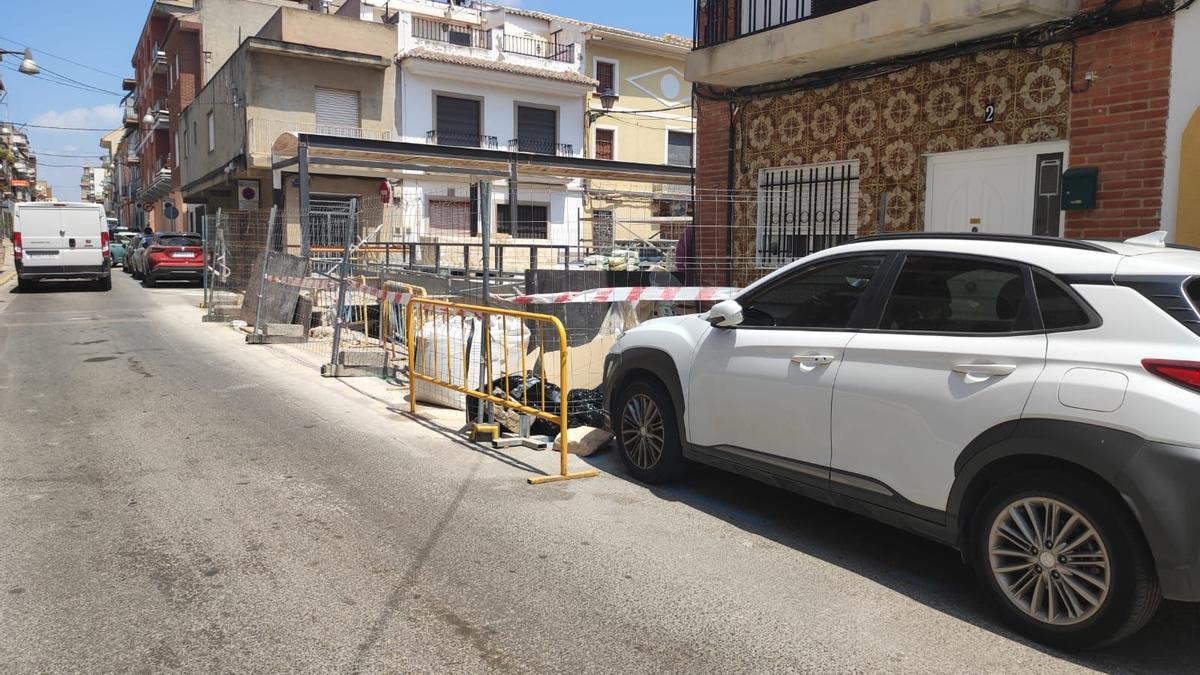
(212,133)
(1060,310)
(195,133)
(458,121)
(606,76)
(177,155)
(605,142)
(537,130)
(1193,291)
(824,296)
(450,215)
(957,295)
(679,148)
(337,111)
(531,222)
(602,229)
(805,209)
(184,142)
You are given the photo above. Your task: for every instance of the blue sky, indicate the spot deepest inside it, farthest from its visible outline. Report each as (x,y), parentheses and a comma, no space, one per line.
(100,35)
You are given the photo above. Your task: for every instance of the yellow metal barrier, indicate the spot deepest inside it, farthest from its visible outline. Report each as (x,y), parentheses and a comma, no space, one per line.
(423,312)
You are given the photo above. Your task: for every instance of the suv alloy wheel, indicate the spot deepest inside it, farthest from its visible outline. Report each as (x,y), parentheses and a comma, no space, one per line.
(1067,563)
(647,432)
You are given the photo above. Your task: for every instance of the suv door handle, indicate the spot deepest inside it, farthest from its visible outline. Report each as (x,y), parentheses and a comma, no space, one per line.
(813,359)
(985,370)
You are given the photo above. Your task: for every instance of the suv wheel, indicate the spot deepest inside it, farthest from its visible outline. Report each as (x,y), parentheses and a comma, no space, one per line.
(1066,562)
(647,433)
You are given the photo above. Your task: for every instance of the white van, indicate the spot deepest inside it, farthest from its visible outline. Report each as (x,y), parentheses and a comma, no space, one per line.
(61,240)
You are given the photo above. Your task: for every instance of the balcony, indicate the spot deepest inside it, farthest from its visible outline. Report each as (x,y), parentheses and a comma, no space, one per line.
(262,134)
(539,48)
(159,183)
(162,116)
(746,42)
(130,117)
(449,33)
(540,147)
(160,60)
(435,137)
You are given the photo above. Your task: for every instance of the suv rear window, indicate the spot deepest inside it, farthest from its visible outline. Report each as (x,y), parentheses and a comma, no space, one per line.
(179,240)
(1193,291)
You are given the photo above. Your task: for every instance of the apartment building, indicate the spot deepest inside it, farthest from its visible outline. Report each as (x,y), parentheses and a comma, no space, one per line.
(820,120)
(18,165)
(640,111)
(93,184)
(181,44)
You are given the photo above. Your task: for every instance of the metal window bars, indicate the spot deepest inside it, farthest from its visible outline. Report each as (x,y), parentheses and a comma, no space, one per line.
(805,209)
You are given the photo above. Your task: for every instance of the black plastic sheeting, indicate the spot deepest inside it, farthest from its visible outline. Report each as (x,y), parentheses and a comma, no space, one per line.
(585,407)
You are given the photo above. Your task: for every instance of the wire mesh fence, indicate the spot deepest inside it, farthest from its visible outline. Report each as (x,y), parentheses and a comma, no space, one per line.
(601,257)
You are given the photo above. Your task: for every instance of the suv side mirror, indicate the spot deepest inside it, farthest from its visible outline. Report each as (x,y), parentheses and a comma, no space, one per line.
(725,314)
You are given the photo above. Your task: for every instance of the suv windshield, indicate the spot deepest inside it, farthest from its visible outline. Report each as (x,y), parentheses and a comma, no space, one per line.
(179,240)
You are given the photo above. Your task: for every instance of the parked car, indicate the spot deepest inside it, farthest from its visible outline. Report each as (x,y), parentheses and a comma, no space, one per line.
(135,259)
(173,256)
(118,245)
(1033,402)
(60,240)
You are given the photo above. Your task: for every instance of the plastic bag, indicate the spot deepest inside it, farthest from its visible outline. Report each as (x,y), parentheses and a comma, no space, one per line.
(585,407)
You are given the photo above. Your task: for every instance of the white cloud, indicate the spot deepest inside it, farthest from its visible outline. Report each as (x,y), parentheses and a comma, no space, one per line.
(96,117)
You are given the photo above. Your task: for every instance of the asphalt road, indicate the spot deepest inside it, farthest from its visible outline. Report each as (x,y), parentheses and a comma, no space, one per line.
(174,500)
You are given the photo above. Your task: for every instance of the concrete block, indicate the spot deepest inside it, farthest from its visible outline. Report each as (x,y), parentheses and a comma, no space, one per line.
(284,330)
(372,359)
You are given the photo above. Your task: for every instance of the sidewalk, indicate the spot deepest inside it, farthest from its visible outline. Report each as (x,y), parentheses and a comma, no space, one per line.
(7,269)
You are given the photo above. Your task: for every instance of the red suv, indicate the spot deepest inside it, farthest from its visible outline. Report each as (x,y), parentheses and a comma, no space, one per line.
(174,255)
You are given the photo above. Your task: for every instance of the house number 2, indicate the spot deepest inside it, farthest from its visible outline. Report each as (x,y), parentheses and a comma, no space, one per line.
(989,113)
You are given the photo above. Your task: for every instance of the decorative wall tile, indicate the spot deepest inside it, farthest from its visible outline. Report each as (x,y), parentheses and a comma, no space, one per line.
(889,123)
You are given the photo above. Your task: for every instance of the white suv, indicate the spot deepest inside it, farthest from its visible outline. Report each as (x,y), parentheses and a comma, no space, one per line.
(1033,402)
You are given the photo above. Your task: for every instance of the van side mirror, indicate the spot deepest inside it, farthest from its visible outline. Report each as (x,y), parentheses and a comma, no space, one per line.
(725,314)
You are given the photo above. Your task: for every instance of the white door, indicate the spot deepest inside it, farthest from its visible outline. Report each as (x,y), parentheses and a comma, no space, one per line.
(957,352)
(767,385)
(992,190)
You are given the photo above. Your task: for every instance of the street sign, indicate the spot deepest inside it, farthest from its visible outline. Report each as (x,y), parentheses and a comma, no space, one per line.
(170,211)
(148,207)
(385,191)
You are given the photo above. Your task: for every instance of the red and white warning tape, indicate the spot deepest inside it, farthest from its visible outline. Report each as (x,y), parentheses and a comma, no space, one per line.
(633,294)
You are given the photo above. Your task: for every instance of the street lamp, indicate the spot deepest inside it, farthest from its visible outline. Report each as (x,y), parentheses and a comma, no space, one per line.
(148,119)
(28,65)
(608,98)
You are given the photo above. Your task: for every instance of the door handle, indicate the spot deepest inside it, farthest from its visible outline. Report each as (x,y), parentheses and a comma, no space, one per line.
(813,359)
(977,372)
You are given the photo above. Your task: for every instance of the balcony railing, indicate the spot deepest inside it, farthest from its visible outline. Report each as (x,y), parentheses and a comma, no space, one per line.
(160,60)
(455,34)
(720,20)
(540,147)
(543,49)
(130,117)
(263,132)
(435,137)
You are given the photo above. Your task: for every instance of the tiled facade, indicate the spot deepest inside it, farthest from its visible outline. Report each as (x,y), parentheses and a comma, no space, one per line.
(890,122)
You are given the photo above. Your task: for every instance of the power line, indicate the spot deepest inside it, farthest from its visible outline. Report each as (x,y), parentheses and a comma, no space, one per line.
(82,84)
(49,126)
(63,58)
(62,83)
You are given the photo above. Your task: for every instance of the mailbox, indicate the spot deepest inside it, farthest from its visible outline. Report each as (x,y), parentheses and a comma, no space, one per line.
(1079,188)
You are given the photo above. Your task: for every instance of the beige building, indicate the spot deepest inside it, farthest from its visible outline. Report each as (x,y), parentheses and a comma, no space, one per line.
(649,121)
(304,72)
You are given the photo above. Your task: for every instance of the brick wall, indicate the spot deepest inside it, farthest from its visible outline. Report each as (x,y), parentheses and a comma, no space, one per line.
(1119,124)
(712,187)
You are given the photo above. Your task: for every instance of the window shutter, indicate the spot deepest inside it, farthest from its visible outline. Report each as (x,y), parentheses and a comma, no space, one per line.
(679,148)
(337,110)
(604,144)
(537,129)
(457,121)
(605,75)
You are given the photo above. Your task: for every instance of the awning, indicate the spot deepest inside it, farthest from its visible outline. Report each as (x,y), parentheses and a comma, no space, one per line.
(370,156)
